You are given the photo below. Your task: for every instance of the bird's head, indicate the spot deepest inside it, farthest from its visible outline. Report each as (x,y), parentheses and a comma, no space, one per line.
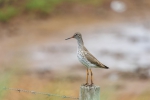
(77,36)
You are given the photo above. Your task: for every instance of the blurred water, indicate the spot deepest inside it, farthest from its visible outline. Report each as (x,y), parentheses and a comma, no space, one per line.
(123,46)
(118,6)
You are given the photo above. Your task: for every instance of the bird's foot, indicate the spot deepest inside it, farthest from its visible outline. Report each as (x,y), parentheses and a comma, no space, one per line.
(86,84)
(91,84)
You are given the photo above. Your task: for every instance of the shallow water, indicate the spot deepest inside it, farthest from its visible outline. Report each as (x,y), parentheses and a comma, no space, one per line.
(124,46)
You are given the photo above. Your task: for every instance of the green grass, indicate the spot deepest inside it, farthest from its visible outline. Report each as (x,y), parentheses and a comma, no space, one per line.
(7,13)
(10,8)
(4,82)
(42,6)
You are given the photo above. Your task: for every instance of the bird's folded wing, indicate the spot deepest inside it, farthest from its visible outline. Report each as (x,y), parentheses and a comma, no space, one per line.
(92,59)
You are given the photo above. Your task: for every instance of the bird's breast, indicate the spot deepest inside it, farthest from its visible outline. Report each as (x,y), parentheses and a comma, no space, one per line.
(83,59)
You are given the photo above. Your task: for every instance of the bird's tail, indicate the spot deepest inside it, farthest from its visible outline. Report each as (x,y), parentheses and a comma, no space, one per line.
(105,67)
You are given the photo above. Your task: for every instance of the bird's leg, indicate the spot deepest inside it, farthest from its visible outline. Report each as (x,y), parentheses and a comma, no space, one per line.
(91,78)
(87,75)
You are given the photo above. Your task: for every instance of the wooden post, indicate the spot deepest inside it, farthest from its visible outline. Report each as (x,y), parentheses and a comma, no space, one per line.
(89,93)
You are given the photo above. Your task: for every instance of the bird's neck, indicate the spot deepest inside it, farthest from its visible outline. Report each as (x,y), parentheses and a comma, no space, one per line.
(80,43)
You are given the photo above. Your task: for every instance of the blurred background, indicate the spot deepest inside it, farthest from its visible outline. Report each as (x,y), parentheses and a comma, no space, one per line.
(34,54)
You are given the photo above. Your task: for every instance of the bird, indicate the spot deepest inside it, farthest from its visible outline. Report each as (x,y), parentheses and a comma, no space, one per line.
(86,58)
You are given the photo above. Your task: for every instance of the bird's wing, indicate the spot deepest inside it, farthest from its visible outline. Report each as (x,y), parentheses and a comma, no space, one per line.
(93,60)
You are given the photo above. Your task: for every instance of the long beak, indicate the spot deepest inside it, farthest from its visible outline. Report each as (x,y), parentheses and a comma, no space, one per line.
(69,38)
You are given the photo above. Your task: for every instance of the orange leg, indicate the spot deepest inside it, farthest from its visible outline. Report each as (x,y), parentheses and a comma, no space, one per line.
(91,77)
(87,75)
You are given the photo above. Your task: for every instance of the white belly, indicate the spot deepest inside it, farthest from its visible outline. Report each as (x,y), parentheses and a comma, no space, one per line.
(84,61)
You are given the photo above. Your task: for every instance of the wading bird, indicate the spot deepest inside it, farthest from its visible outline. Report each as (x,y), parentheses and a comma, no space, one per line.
(86,58)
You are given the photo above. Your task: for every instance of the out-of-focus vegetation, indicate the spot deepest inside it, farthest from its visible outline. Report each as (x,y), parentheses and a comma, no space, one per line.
(11,8)
(42,6)
(67,84)
(7,13)
(38,44)
(5,80)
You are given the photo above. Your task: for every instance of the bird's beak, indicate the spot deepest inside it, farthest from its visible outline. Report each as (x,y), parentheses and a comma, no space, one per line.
(69,38)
